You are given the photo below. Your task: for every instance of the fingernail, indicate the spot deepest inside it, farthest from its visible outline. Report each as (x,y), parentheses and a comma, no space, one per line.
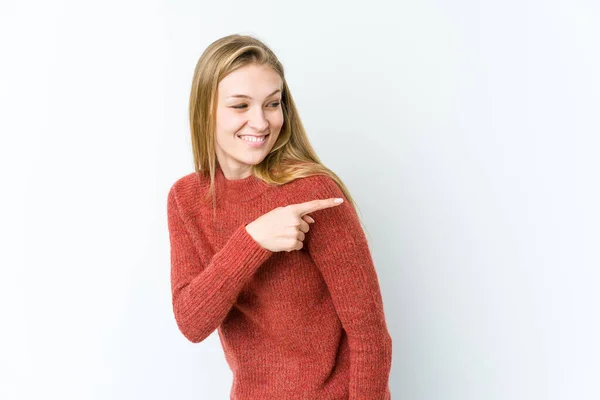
(338,200)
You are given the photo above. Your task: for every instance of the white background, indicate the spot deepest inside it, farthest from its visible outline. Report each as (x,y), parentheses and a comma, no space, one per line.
(466,130)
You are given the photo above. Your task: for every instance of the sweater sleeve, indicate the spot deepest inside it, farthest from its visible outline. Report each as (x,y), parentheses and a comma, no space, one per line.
(202,295)
(337,244)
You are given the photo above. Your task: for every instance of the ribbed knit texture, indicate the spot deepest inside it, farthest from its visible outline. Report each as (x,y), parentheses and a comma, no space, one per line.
(304,324)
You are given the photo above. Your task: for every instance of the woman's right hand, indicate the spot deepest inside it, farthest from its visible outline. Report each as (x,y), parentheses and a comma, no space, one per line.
(284,228)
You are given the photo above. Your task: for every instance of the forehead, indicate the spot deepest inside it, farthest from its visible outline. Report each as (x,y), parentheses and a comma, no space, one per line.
(256,81)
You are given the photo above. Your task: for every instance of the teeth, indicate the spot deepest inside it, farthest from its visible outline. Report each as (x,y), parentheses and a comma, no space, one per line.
(253,139)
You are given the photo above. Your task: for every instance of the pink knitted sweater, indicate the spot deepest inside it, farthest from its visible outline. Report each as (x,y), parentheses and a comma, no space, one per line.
(305,324)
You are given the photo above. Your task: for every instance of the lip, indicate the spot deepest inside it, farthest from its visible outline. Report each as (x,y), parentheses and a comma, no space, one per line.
(255,135)
(254,144)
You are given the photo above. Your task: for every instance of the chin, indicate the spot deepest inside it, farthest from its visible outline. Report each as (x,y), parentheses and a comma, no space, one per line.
(252,162)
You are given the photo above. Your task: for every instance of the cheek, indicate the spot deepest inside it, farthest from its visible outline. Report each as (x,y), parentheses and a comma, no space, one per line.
(229,122)
(277,120)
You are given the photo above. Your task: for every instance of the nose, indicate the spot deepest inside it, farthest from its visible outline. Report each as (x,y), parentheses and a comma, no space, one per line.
(257,120)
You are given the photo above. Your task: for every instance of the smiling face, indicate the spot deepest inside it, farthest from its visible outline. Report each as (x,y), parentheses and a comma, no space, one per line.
(248,104)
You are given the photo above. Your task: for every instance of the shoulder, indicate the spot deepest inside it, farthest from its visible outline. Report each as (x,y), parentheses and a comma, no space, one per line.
(314,187)
(186,189)
(323,184)
(186,184)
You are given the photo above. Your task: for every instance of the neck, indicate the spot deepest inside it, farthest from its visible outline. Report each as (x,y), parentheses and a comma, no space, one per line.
(238,190)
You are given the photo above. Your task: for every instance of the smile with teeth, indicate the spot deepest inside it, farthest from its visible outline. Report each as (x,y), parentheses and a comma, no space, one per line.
(253,138)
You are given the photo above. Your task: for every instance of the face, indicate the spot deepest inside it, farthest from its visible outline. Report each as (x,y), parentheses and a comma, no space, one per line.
(248,104)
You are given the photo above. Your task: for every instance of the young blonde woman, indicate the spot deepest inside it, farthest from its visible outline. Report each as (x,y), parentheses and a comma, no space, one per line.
(295,297)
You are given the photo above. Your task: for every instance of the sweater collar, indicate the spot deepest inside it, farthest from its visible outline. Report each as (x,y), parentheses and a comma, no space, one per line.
(238,190)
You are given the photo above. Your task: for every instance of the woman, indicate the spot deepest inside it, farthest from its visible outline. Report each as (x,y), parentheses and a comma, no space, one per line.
(298,310)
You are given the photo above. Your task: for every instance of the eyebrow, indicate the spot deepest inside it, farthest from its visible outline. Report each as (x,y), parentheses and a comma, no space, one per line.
(248,97)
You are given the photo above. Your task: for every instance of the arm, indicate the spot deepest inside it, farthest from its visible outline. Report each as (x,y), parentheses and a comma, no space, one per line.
(337,244)
(204,294)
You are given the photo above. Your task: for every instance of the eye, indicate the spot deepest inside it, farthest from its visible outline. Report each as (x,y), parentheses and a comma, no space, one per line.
(242,106)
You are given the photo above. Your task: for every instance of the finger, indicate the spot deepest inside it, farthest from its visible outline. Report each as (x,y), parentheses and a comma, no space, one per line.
(314,205)
(308,219)
(297,245)
(304,227)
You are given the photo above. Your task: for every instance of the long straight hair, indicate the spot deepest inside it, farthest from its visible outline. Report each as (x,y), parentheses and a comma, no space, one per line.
(292,155)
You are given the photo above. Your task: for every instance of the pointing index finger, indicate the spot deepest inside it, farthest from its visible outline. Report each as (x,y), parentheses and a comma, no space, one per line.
(318,204)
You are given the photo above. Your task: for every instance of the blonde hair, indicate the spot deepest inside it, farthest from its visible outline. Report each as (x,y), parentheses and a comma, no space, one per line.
(292,155)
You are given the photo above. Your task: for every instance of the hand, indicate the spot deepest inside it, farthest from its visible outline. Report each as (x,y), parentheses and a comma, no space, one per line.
(283,228)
